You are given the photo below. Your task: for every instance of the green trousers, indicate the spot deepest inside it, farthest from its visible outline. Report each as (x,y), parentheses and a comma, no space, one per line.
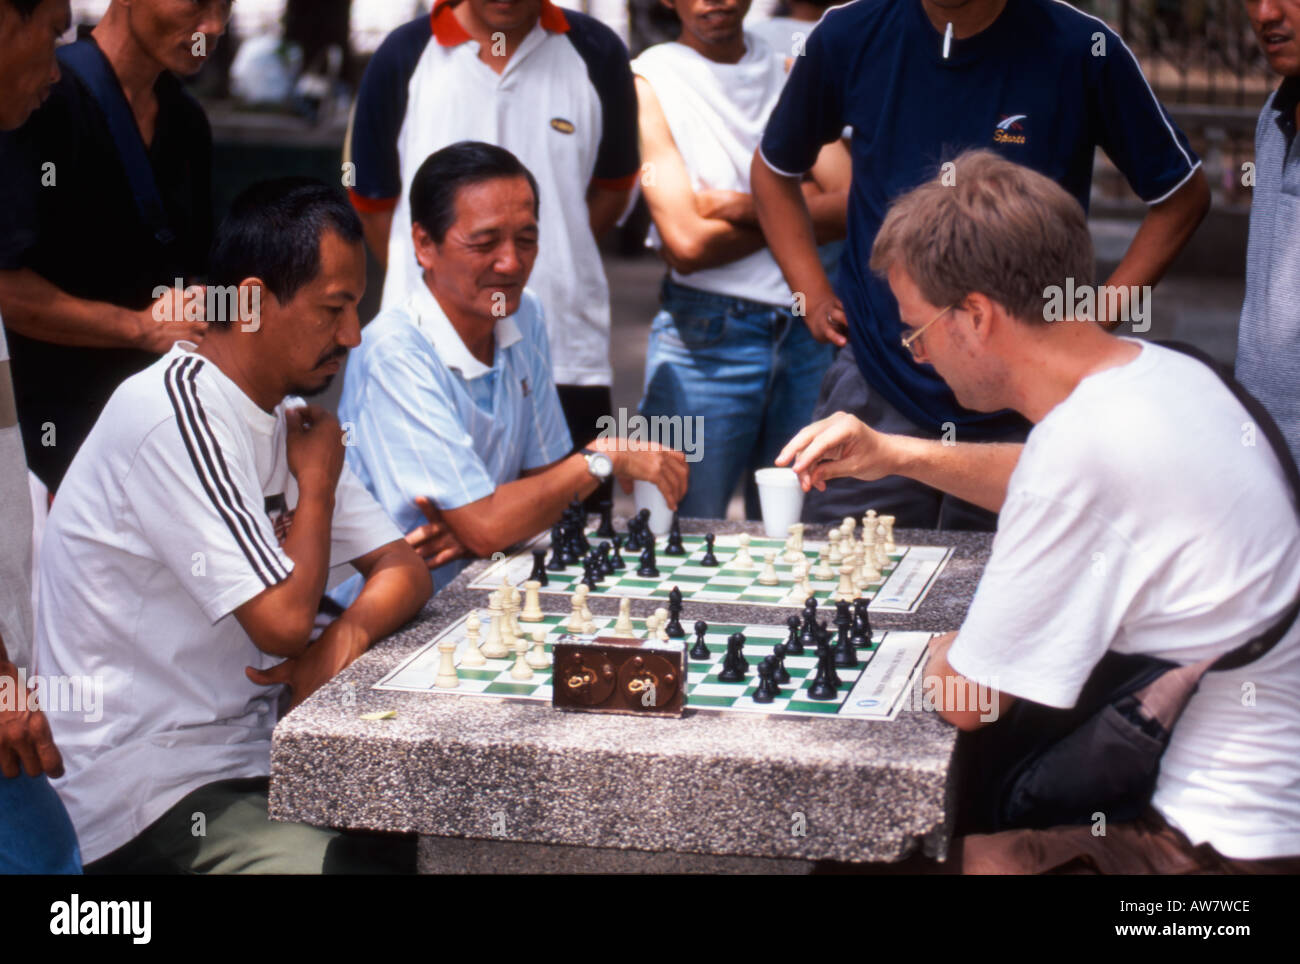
(235,836)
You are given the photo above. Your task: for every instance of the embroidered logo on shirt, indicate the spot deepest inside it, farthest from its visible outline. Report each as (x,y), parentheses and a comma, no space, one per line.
(562,125)
(524,384)
(1009,129)
(277,510)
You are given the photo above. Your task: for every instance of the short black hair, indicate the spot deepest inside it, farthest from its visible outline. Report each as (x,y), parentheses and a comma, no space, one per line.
(25,8)
(446,171)
(273,232)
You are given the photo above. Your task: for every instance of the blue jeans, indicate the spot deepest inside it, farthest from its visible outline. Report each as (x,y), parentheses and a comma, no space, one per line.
(751,370)
(36,836)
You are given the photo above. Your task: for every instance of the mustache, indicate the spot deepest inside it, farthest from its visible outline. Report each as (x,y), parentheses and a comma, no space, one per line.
(338,351)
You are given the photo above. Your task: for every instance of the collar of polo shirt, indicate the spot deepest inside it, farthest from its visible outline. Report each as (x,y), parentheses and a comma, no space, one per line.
(446,340)
(449,33)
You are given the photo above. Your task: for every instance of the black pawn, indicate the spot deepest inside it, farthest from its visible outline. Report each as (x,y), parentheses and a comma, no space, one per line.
(606,530)
(826,654)
(732,670)
(674,627)
(539,567)
(767,690)
(821,688)
(674,546)
(616,560)
(861,624)
(845,654)
(591,571)
(782,674)
(557,550)
(709,558)
(606,563)
(700,651)
(739,640)
(793,646)
(810,613)
(648,569)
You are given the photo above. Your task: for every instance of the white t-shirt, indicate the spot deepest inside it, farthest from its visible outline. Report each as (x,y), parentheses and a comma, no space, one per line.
(169,518)
(716,114)
(15,525)
(1147,515)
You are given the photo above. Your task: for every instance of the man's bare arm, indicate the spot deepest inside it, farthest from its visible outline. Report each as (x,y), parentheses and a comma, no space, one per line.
(38,309)
(605,207)
(971,706)
(376,225)
(843,447)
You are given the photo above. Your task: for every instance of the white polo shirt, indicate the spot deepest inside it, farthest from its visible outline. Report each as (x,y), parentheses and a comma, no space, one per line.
(165,523)
(565,105)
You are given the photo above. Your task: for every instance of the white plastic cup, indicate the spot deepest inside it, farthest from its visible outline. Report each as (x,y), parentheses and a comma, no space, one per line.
(781,499)
(648,496)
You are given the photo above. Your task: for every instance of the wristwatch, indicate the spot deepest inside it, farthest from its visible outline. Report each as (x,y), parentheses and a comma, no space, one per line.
(598,464)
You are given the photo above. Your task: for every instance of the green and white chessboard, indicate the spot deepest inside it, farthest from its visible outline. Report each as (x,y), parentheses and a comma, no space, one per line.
(905,579)
(876,690)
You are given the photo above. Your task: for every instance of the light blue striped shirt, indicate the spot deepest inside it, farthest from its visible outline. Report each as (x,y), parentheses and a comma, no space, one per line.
(424,417)
(1268,342)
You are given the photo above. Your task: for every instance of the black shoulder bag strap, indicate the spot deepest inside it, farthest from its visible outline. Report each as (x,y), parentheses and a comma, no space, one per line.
(87,62)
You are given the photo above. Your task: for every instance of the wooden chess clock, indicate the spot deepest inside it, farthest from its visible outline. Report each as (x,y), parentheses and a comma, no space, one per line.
(610,674)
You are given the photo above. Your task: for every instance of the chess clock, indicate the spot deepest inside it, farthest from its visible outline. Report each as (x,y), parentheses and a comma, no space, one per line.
(608,674)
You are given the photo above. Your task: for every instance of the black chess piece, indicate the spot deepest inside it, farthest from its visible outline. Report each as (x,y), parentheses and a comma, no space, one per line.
(633,543)
(779,652)
(674,545)
(740,651)
(616,560)
(826,654)
(700,651)
(539,567)
(861,624)
(674,627)
(767,690)
(822,688)
(606,530)
(793,646)
(810,613)
(732,670)
(606,563)
(557,549)
(591,571)
(845,655)
(648,569)
(709,558)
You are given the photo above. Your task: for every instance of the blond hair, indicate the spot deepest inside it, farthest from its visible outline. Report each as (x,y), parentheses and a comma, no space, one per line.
(987,225)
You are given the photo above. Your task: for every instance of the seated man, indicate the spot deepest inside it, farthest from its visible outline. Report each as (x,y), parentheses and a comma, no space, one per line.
(449,406)
(187,552)
(1141,516)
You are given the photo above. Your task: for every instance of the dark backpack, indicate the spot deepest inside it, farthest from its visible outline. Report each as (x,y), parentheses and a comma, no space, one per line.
(1040,766)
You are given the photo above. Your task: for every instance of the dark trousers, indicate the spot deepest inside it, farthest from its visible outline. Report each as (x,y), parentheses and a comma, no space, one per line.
(914,506)
(583,405)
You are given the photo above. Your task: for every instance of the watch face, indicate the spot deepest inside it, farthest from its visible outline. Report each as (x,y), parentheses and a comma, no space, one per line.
(601,465)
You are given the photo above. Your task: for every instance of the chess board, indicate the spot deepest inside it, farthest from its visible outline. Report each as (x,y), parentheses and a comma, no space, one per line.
(905,579)
(877,689)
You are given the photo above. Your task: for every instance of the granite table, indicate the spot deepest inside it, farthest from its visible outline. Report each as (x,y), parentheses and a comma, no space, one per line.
(498,786)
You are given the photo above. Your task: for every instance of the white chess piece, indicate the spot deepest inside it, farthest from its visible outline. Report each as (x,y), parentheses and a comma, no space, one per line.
(888,522)
(768,576)
(447,679)
(846,589)
(516,600)
(624,627)
(533,602)
(836,555)
(661,625)
(538,658)
(588,620)
(472,657)
(576,601)
(823,571)
(521,669)
(494,646)
(742,558)
(652,626)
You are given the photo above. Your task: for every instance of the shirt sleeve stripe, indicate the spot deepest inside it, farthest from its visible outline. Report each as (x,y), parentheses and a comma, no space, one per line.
(371,205)
(267,569)
(777,169)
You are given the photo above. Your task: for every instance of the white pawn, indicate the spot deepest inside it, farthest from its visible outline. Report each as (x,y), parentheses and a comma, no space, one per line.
(494,646)
(823,571)
(447,679)
(538,658)
(652,625)
(588,620)
(847,527)
(533,603)
(846,589)
(516,599)
(768,576)
(742,559)
(624,628)
(661,625)
(836,555)
(521,669)
(888,522)
(472,657)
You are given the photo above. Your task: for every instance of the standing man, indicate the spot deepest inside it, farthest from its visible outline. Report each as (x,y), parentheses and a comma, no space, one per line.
(119,147)
(551,86)
(452,408)
(36,836)
(187,553)
(1037,81)
(1268,345)
(728,345)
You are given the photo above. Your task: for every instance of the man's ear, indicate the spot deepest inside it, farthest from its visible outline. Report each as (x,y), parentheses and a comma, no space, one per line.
(984,313)
(426,248)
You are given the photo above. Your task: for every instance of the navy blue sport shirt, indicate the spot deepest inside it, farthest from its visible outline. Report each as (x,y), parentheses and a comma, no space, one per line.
(1043,86)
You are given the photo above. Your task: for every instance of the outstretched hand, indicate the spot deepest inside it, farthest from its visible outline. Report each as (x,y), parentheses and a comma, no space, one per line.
(840,446)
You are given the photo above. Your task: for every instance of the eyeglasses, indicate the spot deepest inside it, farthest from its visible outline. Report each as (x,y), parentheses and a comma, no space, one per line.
(909,340)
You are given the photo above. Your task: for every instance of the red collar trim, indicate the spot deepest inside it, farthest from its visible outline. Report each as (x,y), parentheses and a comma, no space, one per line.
(449,33)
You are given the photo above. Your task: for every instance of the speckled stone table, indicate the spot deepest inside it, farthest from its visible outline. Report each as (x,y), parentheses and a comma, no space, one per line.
(511,786)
